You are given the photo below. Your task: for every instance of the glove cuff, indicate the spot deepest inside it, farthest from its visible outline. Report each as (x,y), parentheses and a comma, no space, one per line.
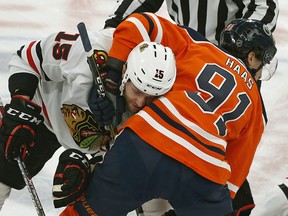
(114,75)
(24,110)
(27,103)
(23,83)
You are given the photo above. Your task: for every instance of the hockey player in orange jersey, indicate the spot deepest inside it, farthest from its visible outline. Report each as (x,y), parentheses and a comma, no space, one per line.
(200,68)
(189,144)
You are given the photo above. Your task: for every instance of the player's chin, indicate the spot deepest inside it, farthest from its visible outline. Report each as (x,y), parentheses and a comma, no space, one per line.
(133,108)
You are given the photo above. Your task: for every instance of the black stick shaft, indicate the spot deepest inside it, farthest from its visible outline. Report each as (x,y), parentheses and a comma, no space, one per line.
(91,61)
(31,188)
(93,67)
(96,75)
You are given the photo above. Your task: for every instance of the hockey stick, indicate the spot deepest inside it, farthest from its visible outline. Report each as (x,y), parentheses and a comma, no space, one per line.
(96,76)
(24,172)
(92,64)
(31,187)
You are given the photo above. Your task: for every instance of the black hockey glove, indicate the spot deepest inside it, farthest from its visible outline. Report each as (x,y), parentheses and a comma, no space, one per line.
(19,125)
(112,81)
(71,177)
(169,213)
(243,198)
(102,108)
(244,211)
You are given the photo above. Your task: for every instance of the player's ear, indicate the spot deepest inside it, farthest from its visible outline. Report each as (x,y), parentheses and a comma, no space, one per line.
(251,58)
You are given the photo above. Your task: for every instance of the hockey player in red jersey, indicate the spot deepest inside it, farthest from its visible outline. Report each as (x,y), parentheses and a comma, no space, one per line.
(205,131)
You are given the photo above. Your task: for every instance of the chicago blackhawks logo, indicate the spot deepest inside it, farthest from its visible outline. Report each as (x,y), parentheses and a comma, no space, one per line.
(101,58)
(83,128)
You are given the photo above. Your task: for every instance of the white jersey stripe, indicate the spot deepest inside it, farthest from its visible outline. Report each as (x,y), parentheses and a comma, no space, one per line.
(190,147)
(140,28)
(193,126)
(232,187)
(159,36)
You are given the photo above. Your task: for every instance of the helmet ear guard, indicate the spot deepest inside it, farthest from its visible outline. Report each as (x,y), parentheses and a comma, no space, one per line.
(151,67)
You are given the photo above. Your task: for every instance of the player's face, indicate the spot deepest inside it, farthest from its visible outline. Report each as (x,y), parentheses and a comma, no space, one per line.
(136,99)
(255,63)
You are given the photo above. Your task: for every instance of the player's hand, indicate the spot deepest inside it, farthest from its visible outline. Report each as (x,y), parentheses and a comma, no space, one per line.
(19,125)
(169,213)
(112,81)
(102,108)
(71,177)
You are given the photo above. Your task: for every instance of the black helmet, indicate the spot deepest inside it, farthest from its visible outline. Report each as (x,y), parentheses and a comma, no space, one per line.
(242,36)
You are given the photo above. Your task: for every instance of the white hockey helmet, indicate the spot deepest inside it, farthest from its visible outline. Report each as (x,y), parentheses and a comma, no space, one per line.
(151,67)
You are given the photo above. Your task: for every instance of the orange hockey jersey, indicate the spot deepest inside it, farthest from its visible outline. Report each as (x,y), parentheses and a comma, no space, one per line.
(213,127)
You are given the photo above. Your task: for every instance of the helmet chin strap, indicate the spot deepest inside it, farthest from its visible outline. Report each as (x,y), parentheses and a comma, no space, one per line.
(124,81)
(254,71)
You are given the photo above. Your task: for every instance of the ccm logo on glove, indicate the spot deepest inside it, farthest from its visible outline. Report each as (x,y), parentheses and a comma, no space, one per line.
(81,158)
(19,125)
(71,177)
(24,116)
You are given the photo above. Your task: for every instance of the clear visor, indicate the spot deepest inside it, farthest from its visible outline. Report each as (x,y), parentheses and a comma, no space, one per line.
(268,70)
